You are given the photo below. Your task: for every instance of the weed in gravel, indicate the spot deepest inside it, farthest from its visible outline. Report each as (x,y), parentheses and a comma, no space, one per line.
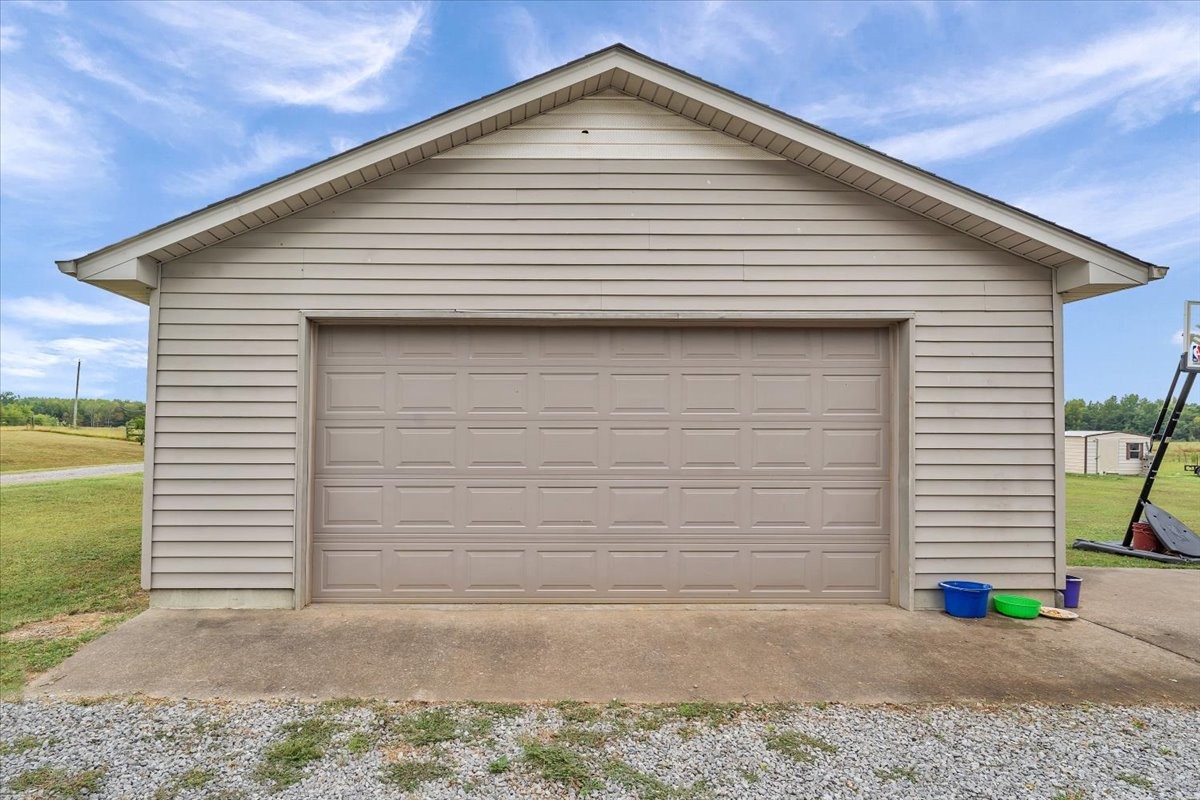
(284,762)
(897,773)
(192,779)
(748,775)
(428,727)
(555,763)
(480,727)
(504,710)
(687,732)
(797,746)
(647,787)
(54,782)
(22,744)
(581,737)
(1070,794)
(195,778)
(712,713)
(1166,751)
(650,720)
(500,765)
(575,711)
(208,727)
(1135,780)
(615,704)
(359,743)
(408,775)
(1140,724)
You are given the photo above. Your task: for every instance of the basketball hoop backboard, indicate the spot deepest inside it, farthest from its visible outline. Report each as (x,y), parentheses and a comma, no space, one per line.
(1191,337)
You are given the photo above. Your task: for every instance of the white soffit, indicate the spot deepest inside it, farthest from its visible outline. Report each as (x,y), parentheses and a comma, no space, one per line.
(626,71)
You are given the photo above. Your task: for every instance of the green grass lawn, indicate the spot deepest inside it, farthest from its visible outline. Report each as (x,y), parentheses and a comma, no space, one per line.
(23,450)
(1098,508)
(68,547)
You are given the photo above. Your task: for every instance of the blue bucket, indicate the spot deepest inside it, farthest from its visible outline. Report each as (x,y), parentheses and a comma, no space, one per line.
(966,598)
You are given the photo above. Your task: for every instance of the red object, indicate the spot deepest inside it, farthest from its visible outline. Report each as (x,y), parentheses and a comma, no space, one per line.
(1144,538)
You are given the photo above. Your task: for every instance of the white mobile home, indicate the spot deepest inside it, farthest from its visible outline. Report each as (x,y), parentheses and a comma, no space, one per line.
(610,334)
(1106,452)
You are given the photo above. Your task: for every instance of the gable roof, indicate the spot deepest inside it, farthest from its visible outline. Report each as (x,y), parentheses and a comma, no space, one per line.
(1083,266)
(1089,434)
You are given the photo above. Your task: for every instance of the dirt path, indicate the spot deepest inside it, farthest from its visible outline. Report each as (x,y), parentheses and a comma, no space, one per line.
(44,476)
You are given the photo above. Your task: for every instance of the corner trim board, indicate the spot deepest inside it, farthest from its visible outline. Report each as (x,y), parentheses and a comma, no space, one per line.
(148,442)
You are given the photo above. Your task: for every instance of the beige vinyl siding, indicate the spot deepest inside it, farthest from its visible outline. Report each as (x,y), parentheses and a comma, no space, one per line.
(618,234)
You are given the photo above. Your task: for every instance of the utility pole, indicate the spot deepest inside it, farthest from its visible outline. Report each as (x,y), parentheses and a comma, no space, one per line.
(75,407)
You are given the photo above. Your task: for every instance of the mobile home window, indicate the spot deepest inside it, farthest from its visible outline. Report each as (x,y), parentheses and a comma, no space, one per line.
(1134,450)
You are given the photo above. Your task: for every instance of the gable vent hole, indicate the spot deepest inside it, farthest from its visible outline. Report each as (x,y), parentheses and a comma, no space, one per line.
(583,131)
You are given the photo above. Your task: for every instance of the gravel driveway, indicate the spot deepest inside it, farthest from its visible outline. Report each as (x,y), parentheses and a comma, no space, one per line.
(47,475)
(352,749)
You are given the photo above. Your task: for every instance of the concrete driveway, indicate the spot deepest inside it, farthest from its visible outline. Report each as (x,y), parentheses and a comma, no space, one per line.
(853,654)
(1158,606)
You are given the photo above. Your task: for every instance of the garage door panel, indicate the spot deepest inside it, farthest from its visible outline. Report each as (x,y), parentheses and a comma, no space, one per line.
(426,393)
(849,394)
(605,449)
(632,463)
(354,392)
(853,344)
(738,508)
(766,572)
(351,447)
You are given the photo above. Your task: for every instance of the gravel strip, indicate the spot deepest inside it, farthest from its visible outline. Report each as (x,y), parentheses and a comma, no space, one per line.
(347,749)
(47,475)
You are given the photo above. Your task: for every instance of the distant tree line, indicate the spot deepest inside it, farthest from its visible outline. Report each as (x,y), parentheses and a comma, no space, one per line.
(1132,414)
(51,411)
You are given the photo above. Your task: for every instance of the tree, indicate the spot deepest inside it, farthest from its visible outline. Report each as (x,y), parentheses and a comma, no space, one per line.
(1075,413)
(13,413)
(1130,413)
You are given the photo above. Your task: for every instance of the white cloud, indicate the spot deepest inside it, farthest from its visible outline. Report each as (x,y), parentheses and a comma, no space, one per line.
(29,365)
(58,310)
(78,58)
(45,143)
(1133,211)
(291,54)
(265,155)
(340,144)
(56,8)
(688,35)
(10,37)
(1137,76)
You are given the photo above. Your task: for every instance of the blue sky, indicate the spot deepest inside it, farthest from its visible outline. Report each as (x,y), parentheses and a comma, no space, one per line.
(115,117)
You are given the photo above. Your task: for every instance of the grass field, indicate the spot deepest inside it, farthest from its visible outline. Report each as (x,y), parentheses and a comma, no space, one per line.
(60,557)
(22,450)
(1098,507)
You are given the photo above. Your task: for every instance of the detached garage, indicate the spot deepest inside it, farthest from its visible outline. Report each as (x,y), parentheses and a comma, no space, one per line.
(611,334)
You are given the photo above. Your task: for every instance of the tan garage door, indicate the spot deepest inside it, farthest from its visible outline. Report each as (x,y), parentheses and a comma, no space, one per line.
(589,463)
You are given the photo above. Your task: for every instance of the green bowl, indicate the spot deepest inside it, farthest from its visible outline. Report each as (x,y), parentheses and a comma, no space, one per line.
(1013,605)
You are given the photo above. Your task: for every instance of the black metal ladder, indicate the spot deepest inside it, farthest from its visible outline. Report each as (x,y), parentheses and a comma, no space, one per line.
(1164,429)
